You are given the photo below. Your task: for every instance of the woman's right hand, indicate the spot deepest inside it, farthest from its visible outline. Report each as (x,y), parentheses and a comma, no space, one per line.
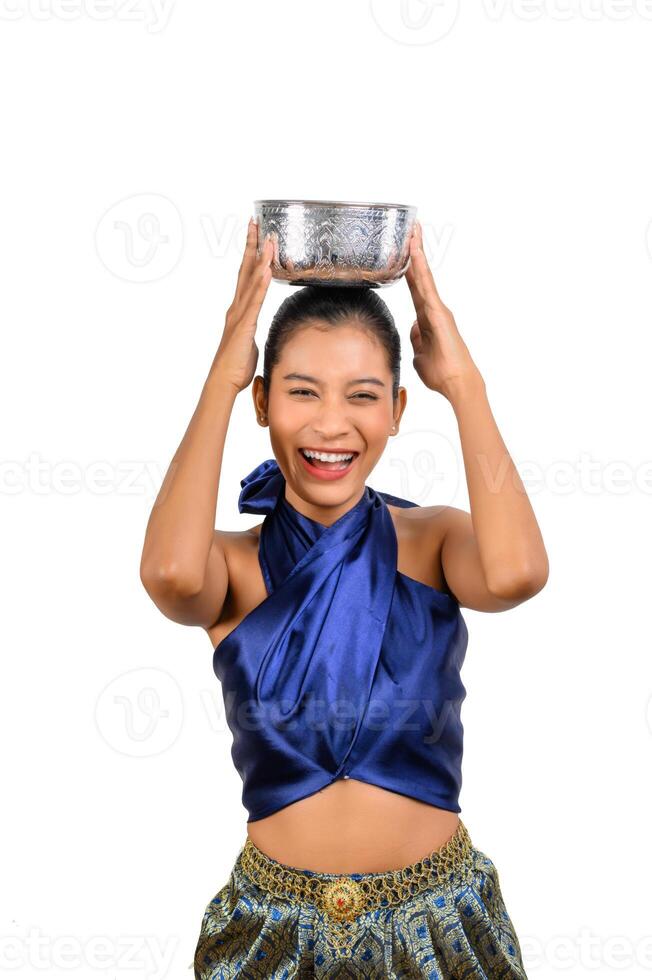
(237,355)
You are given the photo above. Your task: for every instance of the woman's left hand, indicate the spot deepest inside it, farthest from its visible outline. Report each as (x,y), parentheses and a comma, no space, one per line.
(441,358)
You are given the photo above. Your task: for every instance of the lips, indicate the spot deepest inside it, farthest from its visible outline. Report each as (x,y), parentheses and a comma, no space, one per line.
(327,471)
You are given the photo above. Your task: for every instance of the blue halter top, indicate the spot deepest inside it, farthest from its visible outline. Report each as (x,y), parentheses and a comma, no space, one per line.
(348,668)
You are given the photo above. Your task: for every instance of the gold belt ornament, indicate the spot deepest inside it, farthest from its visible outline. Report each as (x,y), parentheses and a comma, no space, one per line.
(342,898)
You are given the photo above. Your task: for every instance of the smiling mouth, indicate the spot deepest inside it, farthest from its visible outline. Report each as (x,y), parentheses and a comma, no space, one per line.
(341,461)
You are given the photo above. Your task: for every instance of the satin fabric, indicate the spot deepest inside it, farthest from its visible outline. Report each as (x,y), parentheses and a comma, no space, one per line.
(348,668)
(460,929)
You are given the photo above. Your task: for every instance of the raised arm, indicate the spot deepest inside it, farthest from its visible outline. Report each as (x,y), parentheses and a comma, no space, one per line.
(493,558)
(183,566)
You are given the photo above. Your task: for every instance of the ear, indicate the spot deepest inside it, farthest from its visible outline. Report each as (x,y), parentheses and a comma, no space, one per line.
(400,403)
(258,396)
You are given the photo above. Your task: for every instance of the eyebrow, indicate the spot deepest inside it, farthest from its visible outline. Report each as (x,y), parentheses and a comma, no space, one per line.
(358,381)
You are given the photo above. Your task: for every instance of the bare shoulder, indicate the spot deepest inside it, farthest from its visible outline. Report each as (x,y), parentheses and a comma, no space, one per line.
(415,521)
(448,537)
(239,549)
(238,541)
(428,527)
(246,587)
(420,533)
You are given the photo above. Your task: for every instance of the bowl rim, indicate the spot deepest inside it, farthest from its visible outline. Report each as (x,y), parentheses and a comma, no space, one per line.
(337,204)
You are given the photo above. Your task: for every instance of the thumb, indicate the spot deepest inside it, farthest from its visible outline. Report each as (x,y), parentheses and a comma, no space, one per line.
(415,337)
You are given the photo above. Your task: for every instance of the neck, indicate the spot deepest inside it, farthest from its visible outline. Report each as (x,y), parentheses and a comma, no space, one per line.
(323,514)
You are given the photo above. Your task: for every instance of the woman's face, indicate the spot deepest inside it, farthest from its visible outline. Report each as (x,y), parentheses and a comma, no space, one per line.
(330,391)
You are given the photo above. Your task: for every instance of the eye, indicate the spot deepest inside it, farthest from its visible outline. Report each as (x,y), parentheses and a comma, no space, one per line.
(360,394)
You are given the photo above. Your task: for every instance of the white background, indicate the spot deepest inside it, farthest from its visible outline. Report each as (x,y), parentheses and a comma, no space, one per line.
(522,133)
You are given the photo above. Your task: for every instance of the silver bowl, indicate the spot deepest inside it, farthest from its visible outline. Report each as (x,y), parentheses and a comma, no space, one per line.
(336,243)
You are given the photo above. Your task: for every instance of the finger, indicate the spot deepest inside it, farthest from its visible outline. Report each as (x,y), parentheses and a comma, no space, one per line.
(415,282)
(276,252)
(257,295)
(251,273)
(415,337)
(261,276)
(420,278)
(251,252)
(249,257)
(424,265)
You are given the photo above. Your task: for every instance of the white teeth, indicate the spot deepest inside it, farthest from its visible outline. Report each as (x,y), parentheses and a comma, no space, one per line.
(327,457)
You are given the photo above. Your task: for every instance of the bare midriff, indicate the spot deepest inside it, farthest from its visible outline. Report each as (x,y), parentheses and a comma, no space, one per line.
(350,827)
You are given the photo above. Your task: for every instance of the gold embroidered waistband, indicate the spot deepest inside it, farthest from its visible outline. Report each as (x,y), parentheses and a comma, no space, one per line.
(345,896)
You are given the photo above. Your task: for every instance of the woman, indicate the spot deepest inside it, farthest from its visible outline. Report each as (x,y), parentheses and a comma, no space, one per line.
(338,639)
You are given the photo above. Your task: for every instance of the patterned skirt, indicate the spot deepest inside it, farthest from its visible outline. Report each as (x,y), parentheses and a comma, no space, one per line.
(443,916)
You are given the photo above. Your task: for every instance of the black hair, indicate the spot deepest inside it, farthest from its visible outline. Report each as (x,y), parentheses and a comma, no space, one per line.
(333,304)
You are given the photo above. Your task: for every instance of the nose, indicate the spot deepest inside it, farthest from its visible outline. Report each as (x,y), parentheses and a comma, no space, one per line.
(329,424)
(330,434)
